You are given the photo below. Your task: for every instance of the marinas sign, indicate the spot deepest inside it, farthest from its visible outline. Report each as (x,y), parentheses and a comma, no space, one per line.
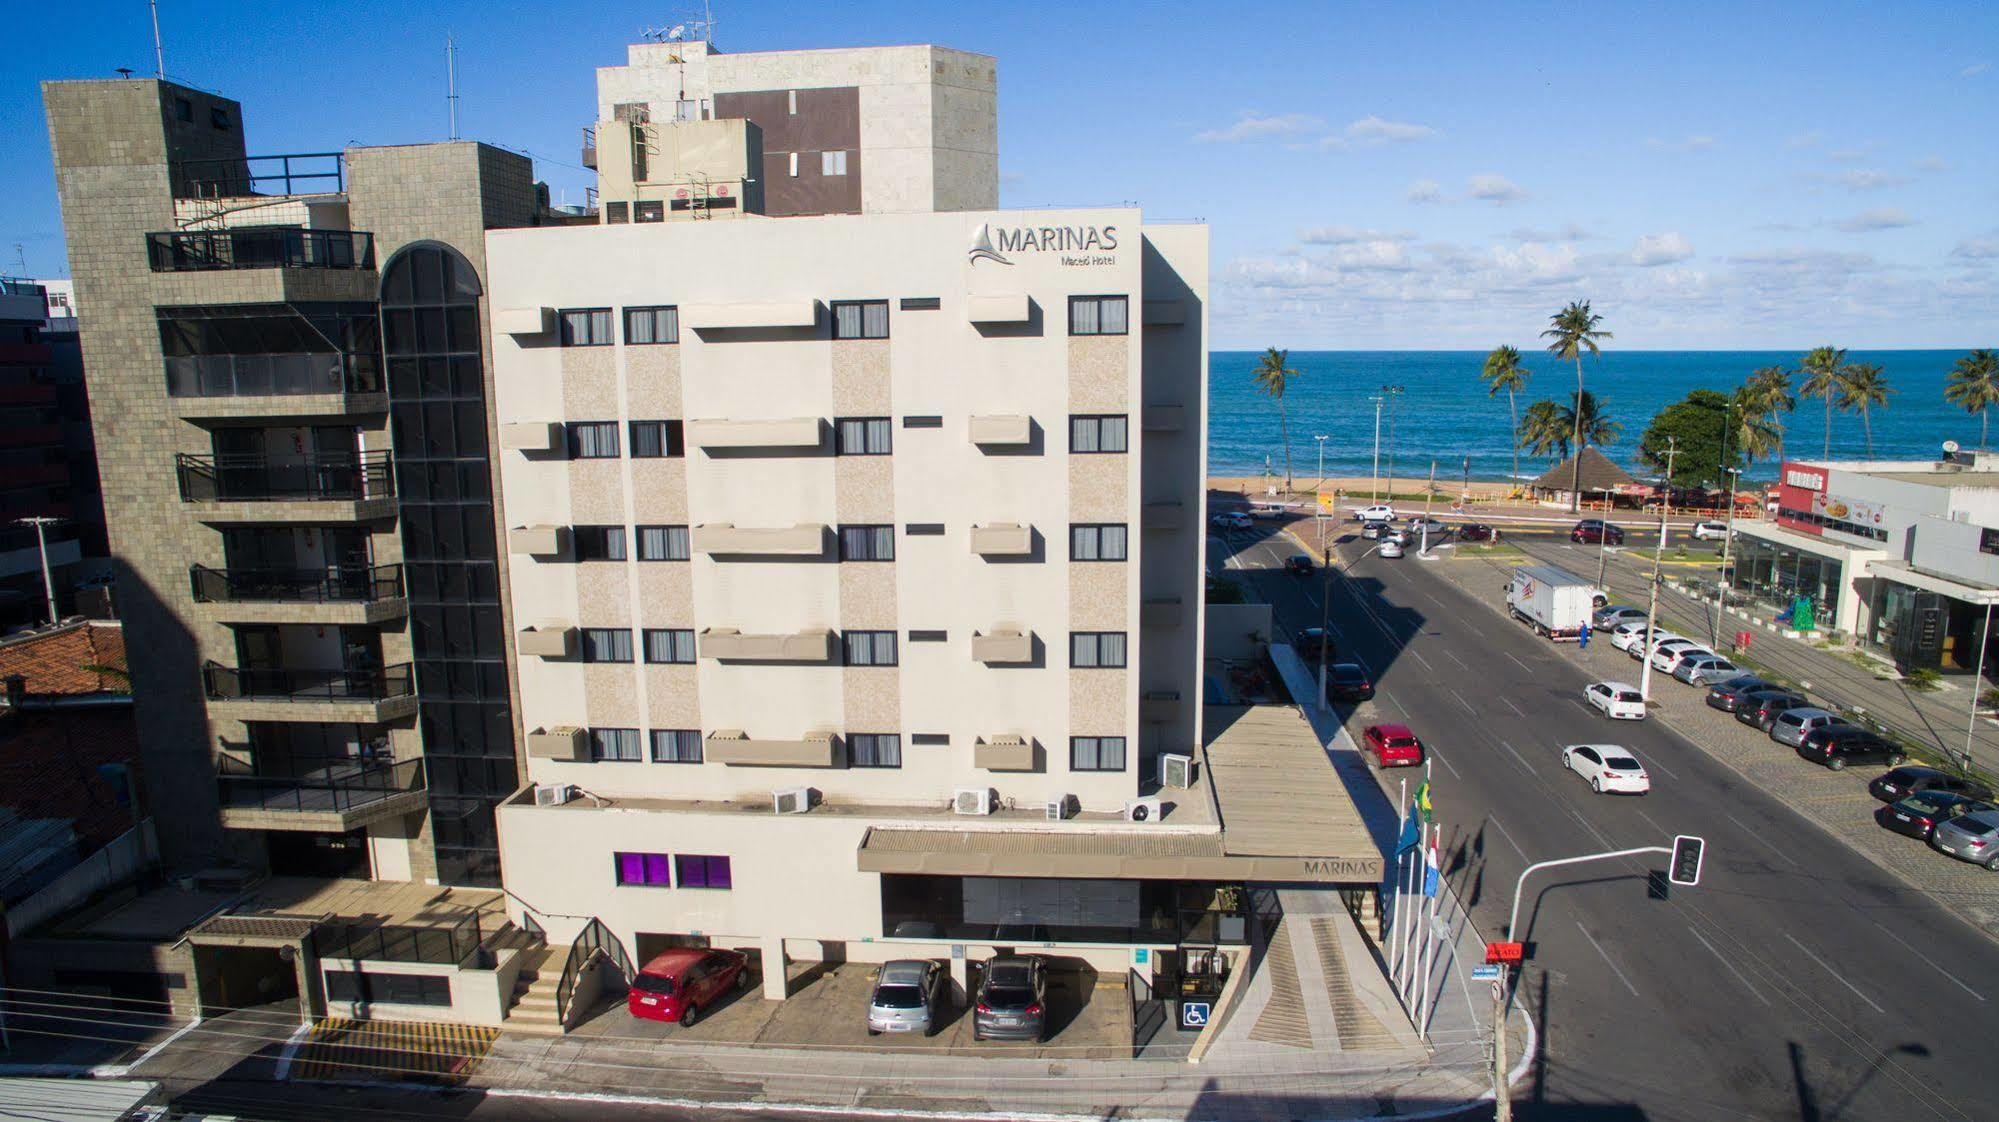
(1076,245)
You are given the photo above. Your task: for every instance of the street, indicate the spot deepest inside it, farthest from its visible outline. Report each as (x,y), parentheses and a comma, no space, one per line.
(1798,980)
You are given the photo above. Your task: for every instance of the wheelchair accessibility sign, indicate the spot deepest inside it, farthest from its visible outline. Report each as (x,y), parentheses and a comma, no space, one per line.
(1194,1014)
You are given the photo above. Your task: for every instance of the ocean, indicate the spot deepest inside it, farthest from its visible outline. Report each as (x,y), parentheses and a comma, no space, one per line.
(1443,413)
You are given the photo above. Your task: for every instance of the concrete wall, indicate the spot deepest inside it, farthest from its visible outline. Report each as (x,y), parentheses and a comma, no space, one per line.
(1950,547)
(1237,631)
(478,997)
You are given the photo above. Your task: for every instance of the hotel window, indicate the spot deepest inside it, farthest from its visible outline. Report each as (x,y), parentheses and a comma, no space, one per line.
(643,870)
(598,543)
(869,648)
(652,440)
(619,746)
(388,989)
(794,165)
(862,436)
(663,543)
(607,644)
(791,102)
(833,163)
(1089,541)
(692,871)
(1098,315)
(653,211)
(1096,753)
(593,440)
(652,325)
(1096,650)
(219,118)
(669,645)
(586,327)
(867,543)
(1098,433)
(183,110)
(676,746)
(874,749)
(617,214)
(860,319)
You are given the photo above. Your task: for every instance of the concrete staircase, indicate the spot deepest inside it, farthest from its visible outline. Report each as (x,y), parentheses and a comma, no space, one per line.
(1283,1020)
(1360,1030)
(534,1008)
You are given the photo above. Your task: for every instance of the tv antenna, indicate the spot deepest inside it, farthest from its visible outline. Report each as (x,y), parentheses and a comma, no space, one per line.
(159,54)
(697,28)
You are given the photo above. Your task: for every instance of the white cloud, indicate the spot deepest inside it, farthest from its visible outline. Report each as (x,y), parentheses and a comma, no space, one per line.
(1880,218)
(1570,232)
(1425,191)
(1348,235)
(1495,189)
(1252,125)
(1668,248)
(1804,140)
(1974,70)
(1849,155)
(1933,163)
(1977,249)
(1695,143)
(1373,132)
(1868,179)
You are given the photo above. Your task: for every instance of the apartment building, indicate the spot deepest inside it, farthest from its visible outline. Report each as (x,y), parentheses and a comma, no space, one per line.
(48,459)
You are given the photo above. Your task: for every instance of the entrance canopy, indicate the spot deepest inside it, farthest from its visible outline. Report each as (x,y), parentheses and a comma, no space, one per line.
(1901,572)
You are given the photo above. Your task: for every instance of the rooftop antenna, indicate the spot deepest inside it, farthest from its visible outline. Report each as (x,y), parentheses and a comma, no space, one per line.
(159,54)
(451,80)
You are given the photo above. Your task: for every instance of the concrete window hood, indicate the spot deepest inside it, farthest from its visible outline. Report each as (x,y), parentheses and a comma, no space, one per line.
(547,640)
(1002,430)
(1012,307)
(568,743)
(538,541)
(726,644)
(1003,646)
(531,436)
(738,749)
(1003,753)
(790,432)
(807,539)
(524,321)
(1002,539)
(770,314)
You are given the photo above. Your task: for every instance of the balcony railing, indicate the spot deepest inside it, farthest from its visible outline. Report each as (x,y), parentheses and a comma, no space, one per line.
(335,788)
(260,247)
(285,173)
(239,478)
(232,683)
(283,375)
(333,584)
(447,943)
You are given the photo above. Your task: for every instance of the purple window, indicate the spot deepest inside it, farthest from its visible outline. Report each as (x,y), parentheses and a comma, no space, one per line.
(646,869)
(702,872)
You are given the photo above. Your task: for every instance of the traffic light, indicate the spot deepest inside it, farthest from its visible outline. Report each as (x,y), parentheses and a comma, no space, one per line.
(1687,852)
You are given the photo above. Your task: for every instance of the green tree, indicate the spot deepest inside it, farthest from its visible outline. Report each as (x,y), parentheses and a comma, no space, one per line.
(1570,332)
(1544,432)
(1273,377)
(1861,389)
(1699,424)
(1824,369)
(1504,372)
(1974,385)
(1766,396)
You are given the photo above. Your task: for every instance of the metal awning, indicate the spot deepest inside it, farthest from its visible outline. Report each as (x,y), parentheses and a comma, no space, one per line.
(1901,572)
(1808,543)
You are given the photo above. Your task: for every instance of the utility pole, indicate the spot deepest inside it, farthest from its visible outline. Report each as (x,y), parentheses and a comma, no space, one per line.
(1502,1095)
(1429,496)
(1652,609)
(1727,538)
(1377,399)
(40,523)
(1977,684)
(1318,503)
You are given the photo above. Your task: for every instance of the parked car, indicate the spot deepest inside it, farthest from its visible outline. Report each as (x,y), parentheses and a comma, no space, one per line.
(1420,526)
(1230,520)
(1760,707)
(1298,564)
(1391,548)
(1594,530)
(1727,695)
(1914,779)
(1639,650)
(1970,837)
(1617,700)
(1667,655)
(1477,532)
(1710,531)
(1608,768)
(1838,745)
(1626,635)
(1792,726)
(1614,615)
(1393,745)
(1400,535)
(1699,670)
(1920,814)
(1382,512)
(909,996)
(1666,644)
(1012,1001)
(1348,681)
(1372,531)
(677,985)
(1312,641)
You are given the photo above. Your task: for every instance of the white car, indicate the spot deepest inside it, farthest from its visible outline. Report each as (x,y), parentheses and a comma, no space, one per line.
(1668,654)
(1609,768)
(1396,534)
(1625,635)
(1710,531)
(1382,513)
(1230,520)
(1391,548)
(1618,700)
(1659,641)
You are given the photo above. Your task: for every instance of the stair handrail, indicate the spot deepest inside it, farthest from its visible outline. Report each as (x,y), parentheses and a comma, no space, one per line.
(593,942)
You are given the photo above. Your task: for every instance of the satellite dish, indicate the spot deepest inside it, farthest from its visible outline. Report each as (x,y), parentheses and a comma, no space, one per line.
(1950,447)
(678,33)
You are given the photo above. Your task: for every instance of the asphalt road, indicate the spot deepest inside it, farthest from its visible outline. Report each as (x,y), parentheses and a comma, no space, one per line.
(1797,981)
(259,1100)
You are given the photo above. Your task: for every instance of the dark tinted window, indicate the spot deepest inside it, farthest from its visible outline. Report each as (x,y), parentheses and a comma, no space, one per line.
(899,997)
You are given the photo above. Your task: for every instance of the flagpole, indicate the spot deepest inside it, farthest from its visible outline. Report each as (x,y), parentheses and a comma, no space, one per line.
(1431,947)
(1415,886)
(1394,900)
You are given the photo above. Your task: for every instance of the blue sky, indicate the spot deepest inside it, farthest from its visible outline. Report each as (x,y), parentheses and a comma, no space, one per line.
(1376,176)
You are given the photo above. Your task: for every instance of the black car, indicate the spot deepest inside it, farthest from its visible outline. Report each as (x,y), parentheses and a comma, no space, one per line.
(1312,641)
(1760,707)
(1594,530)
(1477,532)
(1727,696)
(1914,779)
(1298,563)
(1836,746)
(1348,681)
(1918,815)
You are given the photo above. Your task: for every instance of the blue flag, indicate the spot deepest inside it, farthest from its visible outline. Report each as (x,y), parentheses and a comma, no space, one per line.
(1412,834)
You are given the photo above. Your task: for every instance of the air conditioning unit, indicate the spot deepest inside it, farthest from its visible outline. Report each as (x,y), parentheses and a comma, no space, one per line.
(1059,807)
(1148,809)
(553,794)
(972,800)
(796,800)
(1176,771)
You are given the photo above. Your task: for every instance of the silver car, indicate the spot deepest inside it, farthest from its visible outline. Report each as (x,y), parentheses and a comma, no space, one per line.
(1970,837)
(1793,725)
(908,997)
(1706,669)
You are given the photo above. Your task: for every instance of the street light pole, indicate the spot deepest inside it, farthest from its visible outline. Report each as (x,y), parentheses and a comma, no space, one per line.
(1318,503)
(1392,393)
(1377,399)
(40,523)
(1652,609)
(1728,538)
(1977,681)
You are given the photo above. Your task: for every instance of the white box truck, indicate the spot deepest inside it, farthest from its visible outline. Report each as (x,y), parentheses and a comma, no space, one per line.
(1553,602)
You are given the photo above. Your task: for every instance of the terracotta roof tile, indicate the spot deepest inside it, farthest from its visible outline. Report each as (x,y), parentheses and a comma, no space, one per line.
(54,662)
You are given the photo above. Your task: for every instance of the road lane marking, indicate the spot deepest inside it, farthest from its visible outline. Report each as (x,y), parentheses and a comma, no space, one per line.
(1613,965)
(1517,662)
(1420,658)
(1837,976)
(1729,966)
(1516,755)
(1463,702)
(1768,844)
(1932,962)
(1662,767)
(1439,757)
(1508,702)
(1507,836)
(1453,656)
(1655,825)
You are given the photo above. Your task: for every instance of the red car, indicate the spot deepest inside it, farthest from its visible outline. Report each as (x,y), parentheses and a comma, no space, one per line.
(1394,745)
(678,984)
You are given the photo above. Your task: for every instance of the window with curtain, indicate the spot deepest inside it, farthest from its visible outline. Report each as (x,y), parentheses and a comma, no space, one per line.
(593,440)
(1099,315)
(860,319)
(693,871)
(585,327)
(833,163)
(1096,753)
(676,746)
(862,436)
(1096,650)
(1098,432)
(645,326)
(870,648)
(874,749)
(669,645)
(643,870)
(598,543)
(663,543)
(607,644)
(652,440)
(1097,541)
(867,543)
(614,745)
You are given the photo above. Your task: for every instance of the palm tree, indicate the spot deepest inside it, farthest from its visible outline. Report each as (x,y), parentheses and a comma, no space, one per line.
(1591,422)
(1974,384)
(1823,369)
(1504,372)
(1862,387)
(1272,377)
(1753,427)
(1570,332)
(1765,396)
(1546,430)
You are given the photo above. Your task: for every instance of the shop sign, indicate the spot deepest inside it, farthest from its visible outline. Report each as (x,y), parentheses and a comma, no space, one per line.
(1838,509)
(1926,634)
(1805,478)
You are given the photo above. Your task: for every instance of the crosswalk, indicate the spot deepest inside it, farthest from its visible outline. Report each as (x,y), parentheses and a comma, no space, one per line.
(417,1051)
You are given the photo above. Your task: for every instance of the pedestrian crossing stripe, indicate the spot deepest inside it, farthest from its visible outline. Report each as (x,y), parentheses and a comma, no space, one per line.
(427,1051)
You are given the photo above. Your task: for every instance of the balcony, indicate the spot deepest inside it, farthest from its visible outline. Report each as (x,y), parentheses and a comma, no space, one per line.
(1003,647)
(807,539)
(275,385)
(790,432)
(334,799)
(347,487)
(729,645)
(362,697)
(1003,753)
(547,641)
(539,437)
(259,247)
(567,743)
(338,594)
(539,540)
(1003,539)
(738,749)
